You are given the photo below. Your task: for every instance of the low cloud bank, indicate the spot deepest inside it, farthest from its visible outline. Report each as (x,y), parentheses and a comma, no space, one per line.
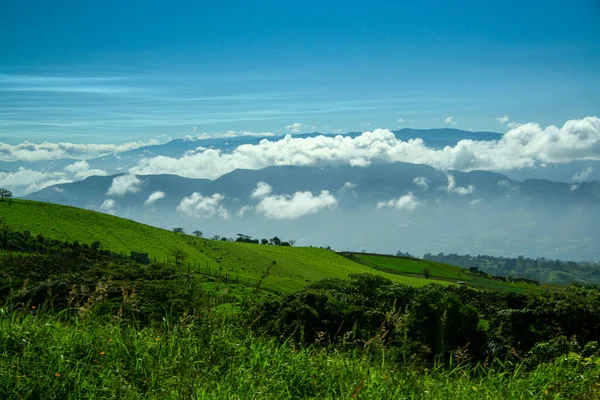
(27,151)
(524,146)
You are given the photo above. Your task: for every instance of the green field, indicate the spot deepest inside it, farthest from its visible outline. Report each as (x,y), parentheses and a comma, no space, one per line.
(437,272)
(290,268)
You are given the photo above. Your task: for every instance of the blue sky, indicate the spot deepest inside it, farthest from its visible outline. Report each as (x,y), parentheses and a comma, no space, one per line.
(114,71)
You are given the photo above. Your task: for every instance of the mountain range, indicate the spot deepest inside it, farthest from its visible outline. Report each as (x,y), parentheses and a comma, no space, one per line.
(382,207)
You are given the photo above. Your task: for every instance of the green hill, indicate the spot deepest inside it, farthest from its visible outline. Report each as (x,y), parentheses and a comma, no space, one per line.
(434,270)
(283,268)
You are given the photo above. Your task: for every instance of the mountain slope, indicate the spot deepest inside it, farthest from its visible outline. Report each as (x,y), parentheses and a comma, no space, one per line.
(289,268)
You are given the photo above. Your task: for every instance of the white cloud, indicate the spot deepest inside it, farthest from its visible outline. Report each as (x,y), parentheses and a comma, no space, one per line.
(26,181)
(508,185)
(155,197)
(421,181)
(233,134)
(121,185)
(450,121)
(525,146)
(296,127)
(296,205)
(475,202)
(82,170)
(502,120)
(349,185)
(243,210)
(108,206)
(513,125)
(27,151)
(400,120)
(407,202)
(262,189)
(452,188)
(583,175)
(200,206)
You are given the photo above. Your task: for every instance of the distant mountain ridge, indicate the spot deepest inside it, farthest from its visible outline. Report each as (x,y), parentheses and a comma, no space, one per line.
(373,183)
(380,207)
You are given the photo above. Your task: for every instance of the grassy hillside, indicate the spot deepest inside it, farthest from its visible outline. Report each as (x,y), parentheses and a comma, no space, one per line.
(283,268)
(435,271)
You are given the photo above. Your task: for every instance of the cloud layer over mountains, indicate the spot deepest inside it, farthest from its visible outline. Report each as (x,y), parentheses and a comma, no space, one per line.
(27,151)
(525,146)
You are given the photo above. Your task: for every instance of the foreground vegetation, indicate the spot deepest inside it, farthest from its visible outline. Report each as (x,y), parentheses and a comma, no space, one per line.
(212,357)
(79,320)
(94,326)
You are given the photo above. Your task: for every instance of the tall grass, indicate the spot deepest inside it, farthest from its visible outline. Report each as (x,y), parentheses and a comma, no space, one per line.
(214,357)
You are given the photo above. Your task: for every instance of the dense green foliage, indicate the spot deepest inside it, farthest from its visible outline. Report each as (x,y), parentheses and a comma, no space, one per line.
(540,269)
(139,331)
(433,322)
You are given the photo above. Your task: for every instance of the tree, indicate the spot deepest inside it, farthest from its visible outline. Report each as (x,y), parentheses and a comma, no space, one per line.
(292,242)
(179,255)
(198,233)
(179,230)
(264,241)
(426,272)
(216,237)
(276,241)
(243,238)
(5,193)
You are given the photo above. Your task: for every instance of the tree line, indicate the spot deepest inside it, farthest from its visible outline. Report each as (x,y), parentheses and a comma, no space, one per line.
(539,269)
(241,238)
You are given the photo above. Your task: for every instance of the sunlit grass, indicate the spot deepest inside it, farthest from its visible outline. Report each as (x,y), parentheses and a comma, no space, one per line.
(212,357)
(289,268)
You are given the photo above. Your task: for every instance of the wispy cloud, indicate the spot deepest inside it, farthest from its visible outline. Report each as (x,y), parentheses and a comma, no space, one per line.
(502,120)
(407,202)
(27,151)
(296,127)
(583,175)
(422,182)
(453,188)
(450,121)
(155,196)
(108,206)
